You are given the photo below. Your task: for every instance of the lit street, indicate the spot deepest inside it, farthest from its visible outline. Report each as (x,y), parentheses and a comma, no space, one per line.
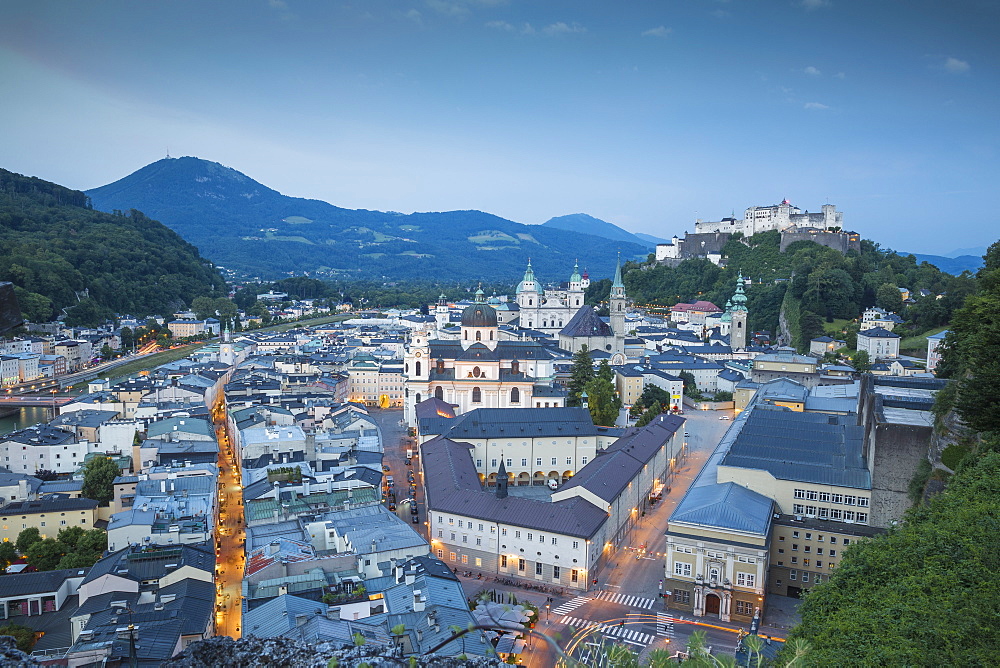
(229,536)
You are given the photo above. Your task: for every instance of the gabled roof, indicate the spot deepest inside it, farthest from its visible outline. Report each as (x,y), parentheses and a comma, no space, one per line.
(878,333)
(726,506)
(586,323)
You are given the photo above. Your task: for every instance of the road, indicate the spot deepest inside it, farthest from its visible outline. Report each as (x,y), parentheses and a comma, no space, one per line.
(230,535)
(395,443)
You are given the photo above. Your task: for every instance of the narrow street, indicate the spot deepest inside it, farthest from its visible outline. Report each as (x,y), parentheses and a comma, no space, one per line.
(230,534)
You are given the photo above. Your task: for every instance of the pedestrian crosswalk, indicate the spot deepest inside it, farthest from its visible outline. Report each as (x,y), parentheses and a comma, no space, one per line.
(664,625)
(611,629)
(570,605)
(623,599)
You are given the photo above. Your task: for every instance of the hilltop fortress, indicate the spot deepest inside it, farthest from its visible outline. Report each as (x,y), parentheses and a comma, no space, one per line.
(825,228)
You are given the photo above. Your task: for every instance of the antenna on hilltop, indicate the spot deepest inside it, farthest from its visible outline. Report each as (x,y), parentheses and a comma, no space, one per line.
(168,153)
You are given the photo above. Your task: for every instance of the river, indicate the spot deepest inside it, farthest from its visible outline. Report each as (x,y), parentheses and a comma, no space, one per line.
(24,418)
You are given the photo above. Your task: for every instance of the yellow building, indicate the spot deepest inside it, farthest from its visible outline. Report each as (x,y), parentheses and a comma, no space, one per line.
(46,515)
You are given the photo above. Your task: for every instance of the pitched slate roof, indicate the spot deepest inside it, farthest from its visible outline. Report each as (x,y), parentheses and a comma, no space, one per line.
(586,323)
(878,333)
(725,506)
(43,582)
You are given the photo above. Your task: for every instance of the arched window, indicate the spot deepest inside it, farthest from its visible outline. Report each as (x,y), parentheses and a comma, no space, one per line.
(515,395)
(439,393)
(465,335)
(477,395)
(491,335)
(418,398)
(479,335)
(418,368)
(530,302)
(440,366)
(619,307)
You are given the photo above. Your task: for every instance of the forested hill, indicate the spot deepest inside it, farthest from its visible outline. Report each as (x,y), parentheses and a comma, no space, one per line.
(248,227)
(61,254)
(817,285)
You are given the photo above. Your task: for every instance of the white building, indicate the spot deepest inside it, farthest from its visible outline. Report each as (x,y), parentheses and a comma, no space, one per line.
(774,217)
(879,343)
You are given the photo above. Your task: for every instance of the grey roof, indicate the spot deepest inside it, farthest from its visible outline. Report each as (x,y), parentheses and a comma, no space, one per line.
(612,470)
(277,616)
(878,333)
(47,505)
(586,323)
(183,425)
(725,506)
(85,418)
(521,423)
(150,563)
(42,582)
(805,447)
(456,489)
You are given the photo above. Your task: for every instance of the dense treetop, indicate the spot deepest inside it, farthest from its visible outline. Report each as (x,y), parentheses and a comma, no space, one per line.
(62,255)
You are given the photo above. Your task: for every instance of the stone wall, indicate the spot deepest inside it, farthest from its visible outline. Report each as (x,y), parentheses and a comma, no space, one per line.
(839,241)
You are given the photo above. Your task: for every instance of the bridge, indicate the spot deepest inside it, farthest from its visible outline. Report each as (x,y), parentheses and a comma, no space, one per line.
(21,401)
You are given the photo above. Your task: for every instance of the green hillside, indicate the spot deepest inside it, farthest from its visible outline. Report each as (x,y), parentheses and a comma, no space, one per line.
(250,228)
(61,255)
(824,284)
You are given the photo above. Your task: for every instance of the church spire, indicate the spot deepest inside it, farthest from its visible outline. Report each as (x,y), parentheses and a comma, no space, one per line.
(502,480)
(617,283)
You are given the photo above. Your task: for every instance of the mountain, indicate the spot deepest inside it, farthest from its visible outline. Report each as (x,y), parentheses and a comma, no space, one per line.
(951,265)
(62,256)
(581,222)
(649,238)
(975,250)
(250,228)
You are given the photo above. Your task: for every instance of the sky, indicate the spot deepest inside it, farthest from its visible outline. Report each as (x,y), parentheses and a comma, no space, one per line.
(647,114)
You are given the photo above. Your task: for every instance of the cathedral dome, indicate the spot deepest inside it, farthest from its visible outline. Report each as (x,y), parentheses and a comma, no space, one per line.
(479,315)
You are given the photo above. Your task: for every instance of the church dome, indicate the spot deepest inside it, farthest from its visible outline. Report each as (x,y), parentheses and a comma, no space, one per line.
(479,315)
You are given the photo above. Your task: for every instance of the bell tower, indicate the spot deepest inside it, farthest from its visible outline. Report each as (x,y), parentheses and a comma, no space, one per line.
(617,302)
(738,315)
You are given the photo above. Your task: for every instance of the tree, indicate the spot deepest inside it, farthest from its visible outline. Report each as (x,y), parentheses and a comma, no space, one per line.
(889,298)
(27,538)
(46,554)
(98,479)
(127,338)
(7,556)
(893,600)
(581,373)
(861,361)
(603,401)
(690,385)
(24,636)
(649,415)
(652,394)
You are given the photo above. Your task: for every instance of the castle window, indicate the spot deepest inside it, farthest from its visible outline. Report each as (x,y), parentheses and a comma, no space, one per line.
(515,395)
(477,395)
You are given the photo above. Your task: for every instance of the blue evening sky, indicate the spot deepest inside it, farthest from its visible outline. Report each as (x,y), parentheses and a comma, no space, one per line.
(647,114)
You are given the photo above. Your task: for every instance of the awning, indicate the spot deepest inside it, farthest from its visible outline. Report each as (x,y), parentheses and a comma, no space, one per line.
(510,645)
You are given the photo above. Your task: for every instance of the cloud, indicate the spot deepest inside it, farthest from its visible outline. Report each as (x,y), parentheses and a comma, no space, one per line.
(658,31)
(414,16)
(721,14)
(277,4)
(561,28)
(814,4)
(840,75)
(500,25)
(812,71)
(818,106)
(956,66)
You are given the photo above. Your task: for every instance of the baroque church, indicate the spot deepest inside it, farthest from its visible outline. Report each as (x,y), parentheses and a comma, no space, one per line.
(481,369)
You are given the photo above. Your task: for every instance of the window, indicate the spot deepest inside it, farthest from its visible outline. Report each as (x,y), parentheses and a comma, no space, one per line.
(795,560)
(682,569)
(555,572)
(503,532)
(477,395)
(781,550)
(837,498)
(682,596)
(529,535)
(805,576)
(583,460)
(440,533)
(479,463)
(819,564)
(833,540)
(451,556)
(824,497)
(553,540)
(811,495)
(863,501)
(574,575)
(847,541)
(798,508)
(440,554)
(538,568)
(479,562)
(809,536)
(517,534)
(781,539)
(863,518)
(824,513)
(524,462)
(538,461)
(479,541)
(515,395)
(836,514)
(480,526)
(465,558)
(453,536)
(795,534)
(805,562)
(819,550)
(451,520)
(576,544)
(541,538)
(493,463)
(792,575)
(460,524)
(808,548)
(553,461)
(848,515)
(850,500)
(520,565)
(833,553)
(503,561)
(510,462)
(744,608)
(795,547)
(569,461)
(465,538)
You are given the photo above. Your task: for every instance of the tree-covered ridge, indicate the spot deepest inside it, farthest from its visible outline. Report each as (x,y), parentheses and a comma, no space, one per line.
(248,227)
(60,254)
(826,284)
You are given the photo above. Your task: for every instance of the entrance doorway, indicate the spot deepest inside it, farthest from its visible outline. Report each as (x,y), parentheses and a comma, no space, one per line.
(795,592)
(712,604)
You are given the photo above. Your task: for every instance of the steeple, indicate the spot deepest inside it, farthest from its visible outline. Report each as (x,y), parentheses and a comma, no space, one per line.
(502,480)
(737,312)
(617,283)
(739,299)
(617,307)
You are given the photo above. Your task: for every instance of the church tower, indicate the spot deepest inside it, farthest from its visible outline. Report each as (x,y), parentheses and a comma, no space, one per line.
(227,354)
(618,300)
(738,317)
(441,313)
(575,294)
(502,480)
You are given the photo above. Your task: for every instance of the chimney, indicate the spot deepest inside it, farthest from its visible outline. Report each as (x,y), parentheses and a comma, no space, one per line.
(419,602)
(300,620)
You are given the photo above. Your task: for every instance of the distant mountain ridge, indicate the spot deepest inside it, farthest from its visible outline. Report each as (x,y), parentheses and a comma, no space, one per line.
(244,225)
(949,265)
(581,222)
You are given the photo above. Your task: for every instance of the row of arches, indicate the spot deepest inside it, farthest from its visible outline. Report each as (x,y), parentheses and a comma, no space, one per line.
(524,479)
(477,395)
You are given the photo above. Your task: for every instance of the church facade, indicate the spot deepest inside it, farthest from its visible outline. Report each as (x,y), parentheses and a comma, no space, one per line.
(549,310)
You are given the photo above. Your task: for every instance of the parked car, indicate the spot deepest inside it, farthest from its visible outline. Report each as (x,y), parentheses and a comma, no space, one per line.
(723,417)
(413,509)
(408,462)
(415,519)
